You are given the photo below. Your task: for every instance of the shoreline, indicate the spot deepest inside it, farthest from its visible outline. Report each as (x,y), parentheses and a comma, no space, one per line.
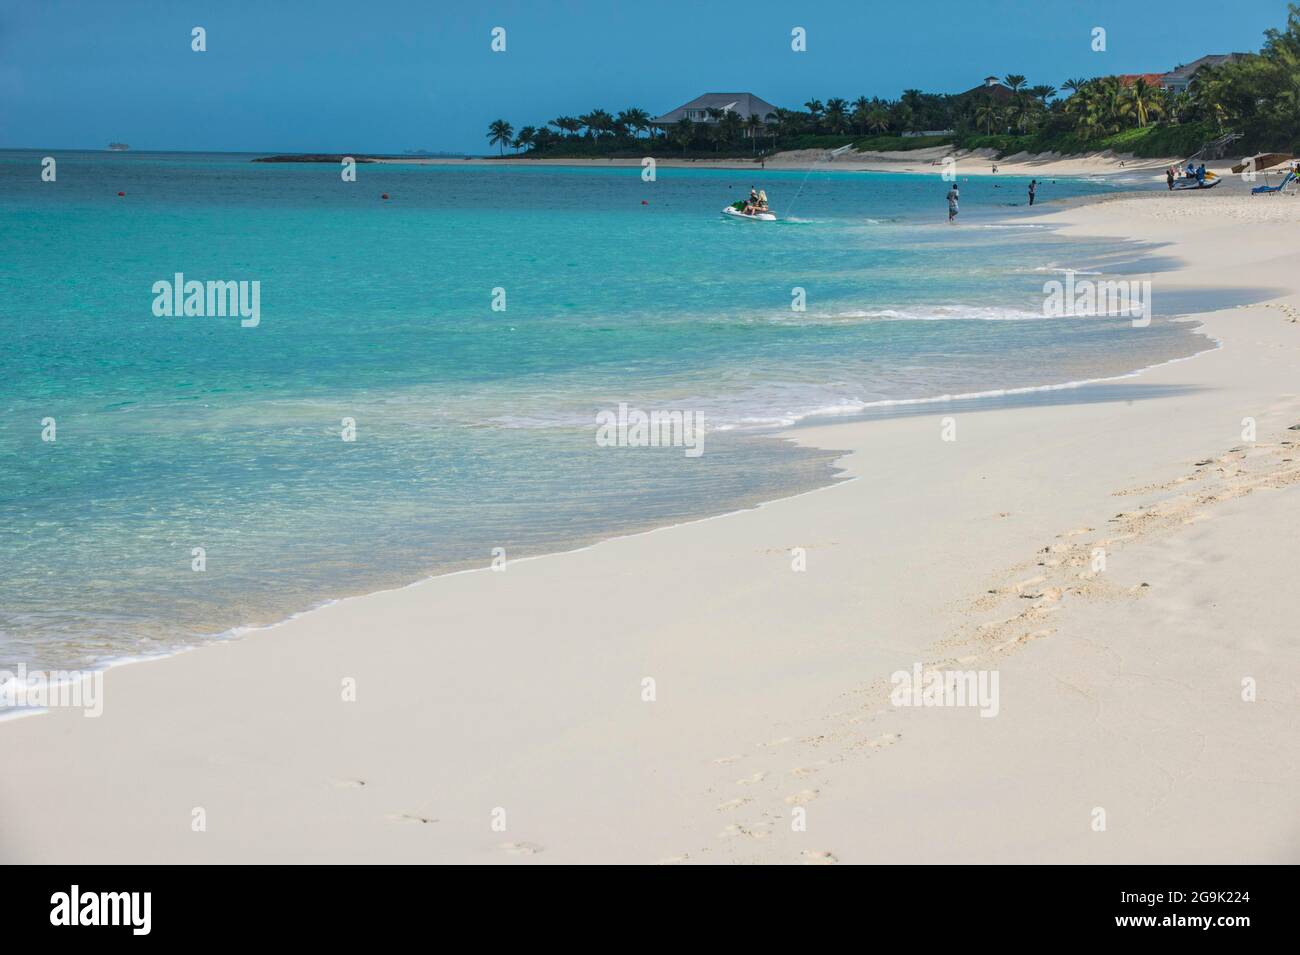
(685,647)
(159,643)
(993,399)
(915,162)
(784,431)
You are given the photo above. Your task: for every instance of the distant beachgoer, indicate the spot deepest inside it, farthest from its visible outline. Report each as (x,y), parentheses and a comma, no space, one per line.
(995,169)
(1033,190)
(1169,178)
(952,203)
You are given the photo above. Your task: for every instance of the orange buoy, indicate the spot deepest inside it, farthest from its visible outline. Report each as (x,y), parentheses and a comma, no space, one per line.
(644,203)
(384,196)
(121,193)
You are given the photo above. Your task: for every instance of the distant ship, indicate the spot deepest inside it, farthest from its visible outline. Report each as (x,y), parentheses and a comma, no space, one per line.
(118,147)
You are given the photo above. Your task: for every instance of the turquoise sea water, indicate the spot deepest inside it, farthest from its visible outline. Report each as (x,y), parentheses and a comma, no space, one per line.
(475,428)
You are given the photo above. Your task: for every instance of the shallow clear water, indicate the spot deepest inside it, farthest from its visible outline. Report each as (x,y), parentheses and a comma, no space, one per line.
(475,428)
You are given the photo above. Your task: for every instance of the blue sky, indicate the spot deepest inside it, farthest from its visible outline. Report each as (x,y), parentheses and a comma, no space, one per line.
(386,75)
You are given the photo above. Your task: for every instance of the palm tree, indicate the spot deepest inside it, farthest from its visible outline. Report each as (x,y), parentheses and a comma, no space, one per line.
(1023,112)
(1115,104)
(836,115)
(682,132)
(729,127)
(913,99)
(598,122)
(1173,105)
(815,108)
(1073,85)
(543,139)
(988,113)
(1142,97)
(902,116)
(1043,93)
(566,124)
(878,120)
(634,119)
(787,122)
(753,126)
(1210,95)
(525,137)
(861,110)
(1014,80)
(499,134)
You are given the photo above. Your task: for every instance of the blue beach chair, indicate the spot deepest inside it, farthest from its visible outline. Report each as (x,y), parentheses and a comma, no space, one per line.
(1264,190)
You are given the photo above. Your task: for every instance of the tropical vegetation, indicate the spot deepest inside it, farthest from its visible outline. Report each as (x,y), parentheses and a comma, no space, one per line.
(1257,96)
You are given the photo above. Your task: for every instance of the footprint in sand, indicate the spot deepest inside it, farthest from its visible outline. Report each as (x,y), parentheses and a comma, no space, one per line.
(817,857)
(521,848)
(777,742)
(675,860)
(802,771)
(738,830)
(750,780)
(1022,639)
(724,760)
(409,817)
(732,804)
(801,798)
(1077,531)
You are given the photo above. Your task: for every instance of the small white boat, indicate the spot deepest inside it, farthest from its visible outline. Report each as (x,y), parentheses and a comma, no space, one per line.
(756,216)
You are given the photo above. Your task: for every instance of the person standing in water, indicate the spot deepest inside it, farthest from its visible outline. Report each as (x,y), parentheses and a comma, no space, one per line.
(1033,190)
(1169,178)
(952,203)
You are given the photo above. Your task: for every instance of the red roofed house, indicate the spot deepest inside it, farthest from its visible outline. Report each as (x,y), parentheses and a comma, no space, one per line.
(1152,79)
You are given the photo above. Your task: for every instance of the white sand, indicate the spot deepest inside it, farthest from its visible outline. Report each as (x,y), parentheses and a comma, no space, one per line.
(522,689)
(969,162)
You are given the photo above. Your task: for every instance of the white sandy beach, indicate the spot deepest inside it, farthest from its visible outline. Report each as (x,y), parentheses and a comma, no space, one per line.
(970,162)
(522,690)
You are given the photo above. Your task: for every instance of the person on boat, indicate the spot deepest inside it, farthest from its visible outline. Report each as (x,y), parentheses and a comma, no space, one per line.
(1200,173)
(1169,178)
(762,200)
